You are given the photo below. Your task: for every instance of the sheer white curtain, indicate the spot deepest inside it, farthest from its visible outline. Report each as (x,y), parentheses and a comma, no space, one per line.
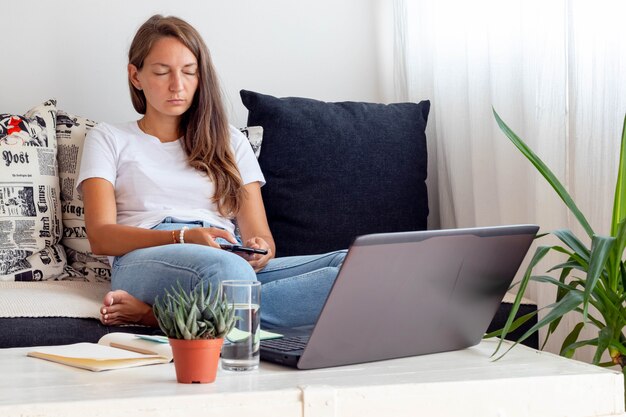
(555,71)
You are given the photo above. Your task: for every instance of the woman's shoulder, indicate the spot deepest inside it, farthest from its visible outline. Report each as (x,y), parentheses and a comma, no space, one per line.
(112,131)
(237,137)
(117,128)
(234,132)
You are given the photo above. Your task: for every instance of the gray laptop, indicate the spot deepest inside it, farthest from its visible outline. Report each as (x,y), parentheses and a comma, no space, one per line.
(406,294)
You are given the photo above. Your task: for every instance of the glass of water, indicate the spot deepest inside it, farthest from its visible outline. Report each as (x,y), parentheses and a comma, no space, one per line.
(241,346)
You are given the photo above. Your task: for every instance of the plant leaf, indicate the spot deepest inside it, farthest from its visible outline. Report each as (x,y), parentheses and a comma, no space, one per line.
(182,295)
(570,239)
(180,324)
(600,251)
(571,338)
(619,346)
(568,265)
(557,282)
(517,323)
(615,259)
(604,340)
(540,252)
(545,172)
(568,351)
(560,293)
(599,324)
(619,204)
(570,301)
(573,255)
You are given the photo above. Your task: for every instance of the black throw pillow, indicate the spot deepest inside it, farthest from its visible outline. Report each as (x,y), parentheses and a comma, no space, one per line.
(338,170)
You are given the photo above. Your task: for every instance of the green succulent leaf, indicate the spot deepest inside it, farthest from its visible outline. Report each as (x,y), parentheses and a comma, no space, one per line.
(207,313)
(197,314)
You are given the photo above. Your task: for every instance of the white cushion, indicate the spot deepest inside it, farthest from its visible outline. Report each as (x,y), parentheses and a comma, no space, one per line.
(52,299)
(71,131)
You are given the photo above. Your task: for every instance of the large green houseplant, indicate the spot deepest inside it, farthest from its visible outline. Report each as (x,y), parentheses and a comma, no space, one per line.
(195,323)
(594,275)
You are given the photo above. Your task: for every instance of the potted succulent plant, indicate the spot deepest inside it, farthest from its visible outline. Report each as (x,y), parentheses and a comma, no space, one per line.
(195,324)
(592,275)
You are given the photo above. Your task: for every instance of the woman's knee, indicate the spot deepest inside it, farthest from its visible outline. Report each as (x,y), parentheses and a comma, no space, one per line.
(228,267)
(338,257)
(307,291)
(148,273)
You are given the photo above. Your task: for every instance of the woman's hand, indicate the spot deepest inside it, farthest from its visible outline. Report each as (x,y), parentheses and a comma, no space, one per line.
(256,260)
(207,235)
(255,231)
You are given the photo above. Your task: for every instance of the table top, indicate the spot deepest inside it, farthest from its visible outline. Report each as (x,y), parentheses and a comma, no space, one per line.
(468,382)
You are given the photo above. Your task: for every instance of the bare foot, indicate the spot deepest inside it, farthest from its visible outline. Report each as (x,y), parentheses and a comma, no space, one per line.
(122,308)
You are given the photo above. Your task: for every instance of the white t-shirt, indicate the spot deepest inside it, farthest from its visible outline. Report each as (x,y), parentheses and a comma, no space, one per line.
(153,180)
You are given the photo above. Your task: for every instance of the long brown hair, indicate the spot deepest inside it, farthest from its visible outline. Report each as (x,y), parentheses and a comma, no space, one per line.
(205,126)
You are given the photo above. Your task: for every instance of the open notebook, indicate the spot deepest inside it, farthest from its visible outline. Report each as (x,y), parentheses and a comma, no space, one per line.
(113,351)
(120,350)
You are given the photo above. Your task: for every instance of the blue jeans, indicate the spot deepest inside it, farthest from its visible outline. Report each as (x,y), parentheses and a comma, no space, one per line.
(293,289)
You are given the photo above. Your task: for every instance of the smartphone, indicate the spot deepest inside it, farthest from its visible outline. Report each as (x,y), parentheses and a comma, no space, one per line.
(244,249)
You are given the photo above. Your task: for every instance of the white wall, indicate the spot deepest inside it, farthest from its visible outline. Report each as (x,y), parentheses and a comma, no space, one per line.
(76,50)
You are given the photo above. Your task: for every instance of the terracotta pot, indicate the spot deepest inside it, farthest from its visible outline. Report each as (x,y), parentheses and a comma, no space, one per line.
(196,361)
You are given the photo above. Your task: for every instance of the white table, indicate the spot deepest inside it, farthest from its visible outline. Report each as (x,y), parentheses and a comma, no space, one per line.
(463,383)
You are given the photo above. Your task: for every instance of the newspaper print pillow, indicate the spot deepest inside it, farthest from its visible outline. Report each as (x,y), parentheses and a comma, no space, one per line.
(255,137)
(30,210)
(71,131)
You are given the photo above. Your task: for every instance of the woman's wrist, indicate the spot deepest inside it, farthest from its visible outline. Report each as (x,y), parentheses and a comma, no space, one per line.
(178,236)
(181,234)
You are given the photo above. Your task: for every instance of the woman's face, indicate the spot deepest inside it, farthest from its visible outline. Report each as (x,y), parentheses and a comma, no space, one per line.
(169,78)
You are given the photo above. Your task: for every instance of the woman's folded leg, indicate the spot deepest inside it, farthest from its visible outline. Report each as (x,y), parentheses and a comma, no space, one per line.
(144,274)
(295,288)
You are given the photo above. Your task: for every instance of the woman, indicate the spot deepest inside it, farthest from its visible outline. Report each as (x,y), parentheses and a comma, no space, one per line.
(161,193)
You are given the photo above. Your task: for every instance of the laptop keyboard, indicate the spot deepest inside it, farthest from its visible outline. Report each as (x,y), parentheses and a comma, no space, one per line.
(286,344)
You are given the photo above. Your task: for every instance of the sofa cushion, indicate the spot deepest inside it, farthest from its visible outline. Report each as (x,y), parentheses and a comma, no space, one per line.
(338,170)
(49,331)
(71,131)
(52,299)
(30,209)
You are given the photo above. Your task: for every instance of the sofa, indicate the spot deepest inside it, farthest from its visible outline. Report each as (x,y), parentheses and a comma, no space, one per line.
(333,171)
